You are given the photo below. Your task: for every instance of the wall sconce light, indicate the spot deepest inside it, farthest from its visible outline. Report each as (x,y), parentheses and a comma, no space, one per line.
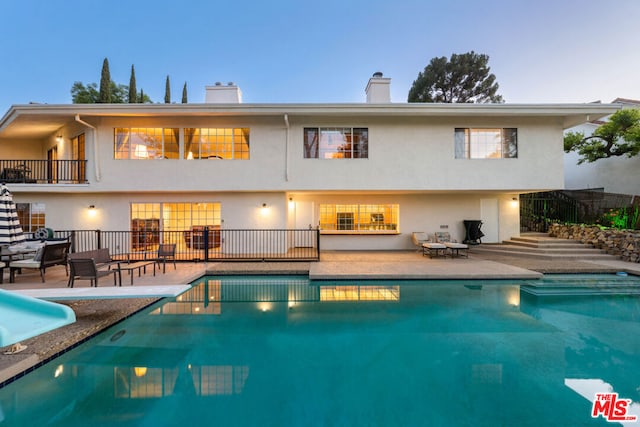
(59,139)
(292,204)
(514,202)
(140,371)
(92,210)
(264,210)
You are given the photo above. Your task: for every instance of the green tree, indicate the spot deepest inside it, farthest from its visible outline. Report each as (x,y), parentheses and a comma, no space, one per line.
(133,92)
(143,98)
(89,94)
(105,83)
(167,92)
(184,93)
(81,94)
(464,78)
(619,136)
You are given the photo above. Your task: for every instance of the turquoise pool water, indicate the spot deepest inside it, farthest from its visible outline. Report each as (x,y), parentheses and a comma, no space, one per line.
(280,351)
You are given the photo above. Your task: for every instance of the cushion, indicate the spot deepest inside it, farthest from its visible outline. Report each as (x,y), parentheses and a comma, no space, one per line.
(38,256)
(25,263)
(433,246)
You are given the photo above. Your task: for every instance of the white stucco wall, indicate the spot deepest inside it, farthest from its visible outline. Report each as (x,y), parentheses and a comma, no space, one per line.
(404,154)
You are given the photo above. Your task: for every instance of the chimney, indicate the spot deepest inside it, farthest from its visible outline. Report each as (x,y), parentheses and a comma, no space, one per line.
(378,89)
(220,94)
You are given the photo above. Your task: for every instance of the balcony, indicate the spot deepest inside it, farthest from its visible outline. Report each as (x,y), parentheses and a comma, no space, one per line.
(43,171)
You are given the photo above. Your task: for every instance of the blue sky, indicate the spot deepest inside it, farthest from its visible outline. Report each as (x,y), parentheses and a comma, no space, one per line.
(541,51)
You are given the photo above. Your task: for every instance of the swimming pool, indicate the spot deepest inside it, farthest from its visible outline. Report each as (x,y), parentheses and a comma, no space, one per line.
(281,351)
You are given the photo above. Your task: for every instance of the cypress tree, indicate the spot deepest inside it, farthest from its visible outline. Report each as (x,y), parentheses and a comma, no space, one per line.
(141,99)
(184,93)
(167,92)
(133,92)
(105,83)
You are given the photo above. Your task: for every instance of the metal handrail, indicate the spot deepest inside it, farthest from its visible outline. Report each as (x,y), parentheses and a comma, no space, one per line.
(204,245)
(43,171)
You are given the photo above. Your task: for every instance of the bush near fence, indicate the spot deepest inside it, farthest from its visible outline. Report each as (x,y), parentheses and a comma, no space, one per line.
(621,243)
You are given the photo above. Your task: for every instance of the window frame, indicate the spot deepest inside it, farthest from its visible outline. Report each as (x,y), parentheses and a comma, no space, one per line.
(323,142)
(244,133)
(472,140)
(359,218)
(135,151)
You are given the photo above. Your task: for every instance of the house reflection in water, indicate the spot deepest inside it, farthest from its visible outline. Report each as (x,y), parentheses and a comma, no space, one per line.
(207,297)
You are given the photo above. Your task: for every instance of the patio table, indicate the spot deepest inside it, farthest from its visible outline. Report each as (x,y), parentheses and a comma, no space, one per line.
(141,266)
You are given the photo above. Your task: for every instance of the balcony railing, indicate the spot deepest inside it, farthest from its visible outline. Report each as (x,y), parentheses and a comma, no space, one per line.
(205,245)
(43,171)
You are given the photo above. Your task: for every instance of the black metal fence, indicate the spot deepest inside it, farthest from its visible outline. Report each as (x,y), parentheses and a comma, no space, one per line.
(538,210)
(206,245)
(43,171)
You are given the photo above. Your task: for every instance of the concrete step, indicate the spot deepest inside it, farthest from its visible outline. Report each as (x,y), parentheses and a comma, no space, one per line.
(576,255)
(541,246)
(545,245)
(550,250)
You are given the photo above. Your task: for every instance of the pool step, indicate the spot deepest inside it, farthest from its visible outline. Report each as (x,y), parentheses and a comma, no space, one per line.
(583,286)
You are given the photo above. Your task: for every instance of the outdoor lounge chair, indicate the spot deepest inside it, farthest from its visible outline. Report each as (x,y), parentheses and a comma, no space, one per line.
(86,269)
(47,256)
(166,251)
(453,246)
(421,240)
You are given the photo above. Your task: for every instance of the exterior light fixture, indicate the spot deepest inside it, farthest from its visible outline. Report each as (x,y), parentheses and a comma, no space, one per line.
(59,139)
(140,371)
(514,202)
(264,211)
(92,210)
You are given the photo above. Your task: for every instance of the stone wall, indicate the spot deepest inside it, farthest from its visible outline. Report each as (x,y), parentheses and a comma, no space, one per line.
(622,243)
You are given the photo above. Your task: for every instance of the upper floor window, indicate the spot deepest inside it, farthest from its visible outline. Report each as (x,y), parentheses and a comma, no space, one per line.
(145,143)
(486,143)
(336,143)
(216,143)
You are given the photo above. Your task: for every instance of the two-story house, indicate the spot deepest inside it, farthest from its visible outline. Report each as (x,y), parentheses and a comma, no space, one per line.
(367,174)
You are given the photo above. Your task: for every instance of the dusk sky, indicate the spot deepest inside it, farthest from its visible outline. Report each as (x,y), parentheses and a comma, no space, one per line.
(280,51)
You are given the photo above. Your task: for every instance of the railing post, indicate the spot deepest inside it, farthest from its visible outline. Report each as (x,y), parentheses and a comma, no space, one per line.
(99,239)
(205,241)
(318,244)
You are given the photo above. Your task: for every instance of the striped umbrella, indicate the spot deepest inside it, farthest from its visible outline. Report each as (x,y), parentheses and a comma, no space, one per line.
(10,229)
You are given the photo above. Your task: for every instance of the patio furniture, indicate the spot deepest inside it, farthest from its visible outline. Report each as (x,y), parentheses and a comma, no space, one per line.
(428,247)
(434,249)
(166,251)
(418,238)
(140,266)
(453,246)
(47,256)
(102,257)
(86,269)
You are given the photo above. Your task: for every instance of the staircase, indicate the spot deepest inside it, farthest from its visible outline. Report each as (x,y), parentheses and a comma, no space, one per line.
(541,246)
